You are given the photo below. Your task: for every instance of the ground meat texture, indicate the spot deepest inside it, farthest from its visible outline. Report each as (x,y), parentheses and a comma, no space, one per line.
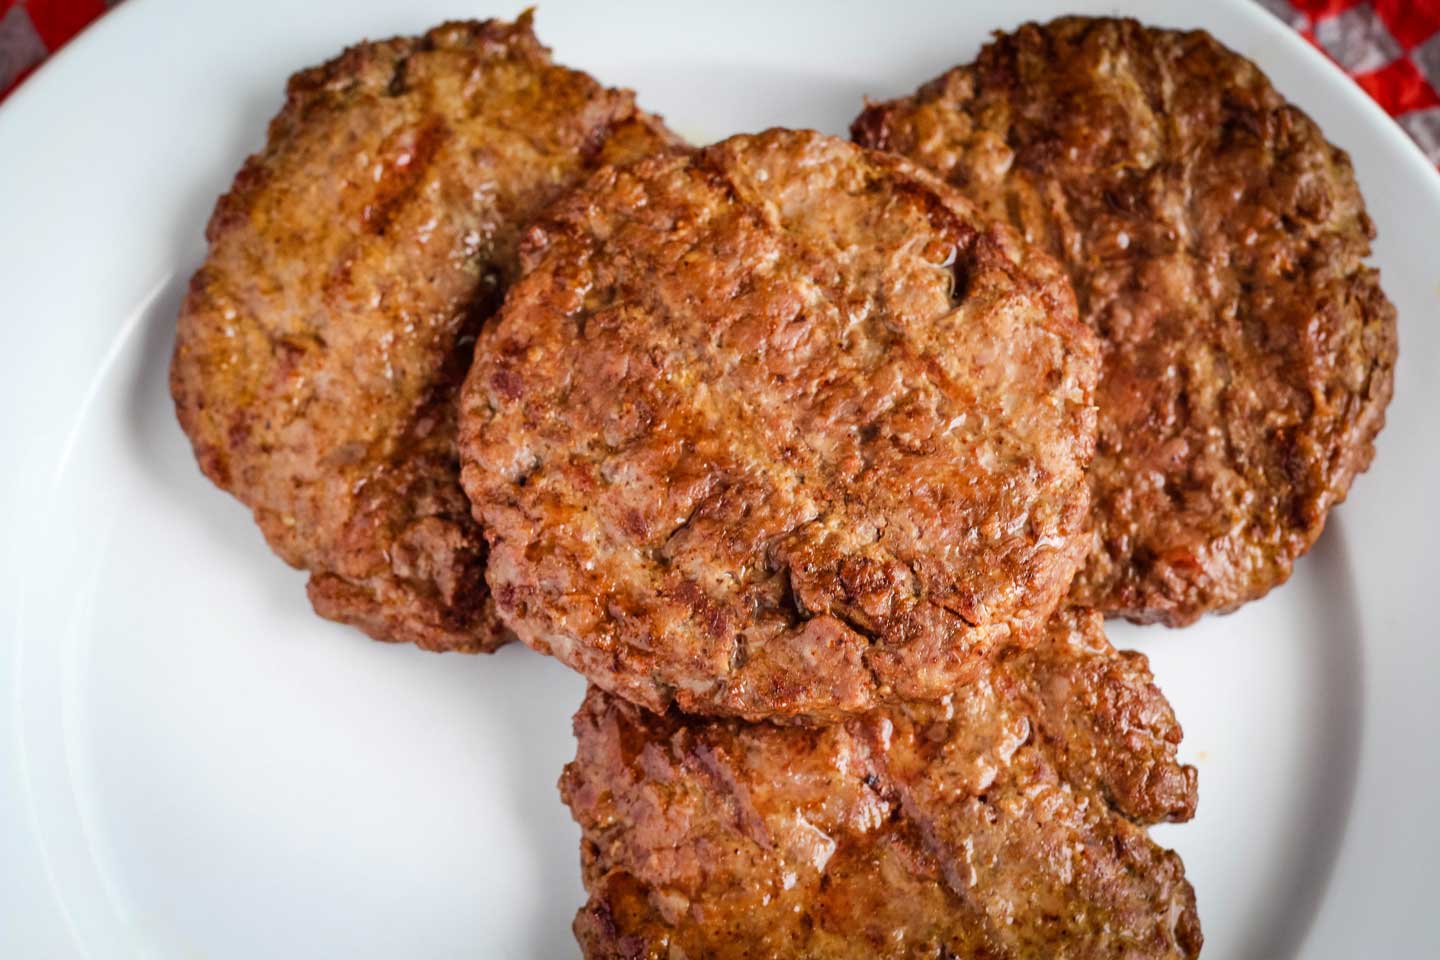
(350,266)
(1216,245)
(779,428)
(1006,821)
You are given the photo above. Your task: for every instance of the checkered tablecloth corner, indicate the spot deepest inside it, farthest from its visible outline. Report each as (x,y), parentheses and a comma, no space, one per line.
(31,30)
(1390,47)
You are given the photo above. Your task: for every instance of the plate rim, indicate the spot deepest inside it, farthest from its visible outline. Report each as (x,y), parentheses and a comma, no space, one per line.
(76,58)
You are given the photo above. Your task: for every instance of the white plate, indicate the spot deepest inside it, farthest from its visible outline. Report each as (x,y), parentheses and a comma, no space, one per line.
(195,765)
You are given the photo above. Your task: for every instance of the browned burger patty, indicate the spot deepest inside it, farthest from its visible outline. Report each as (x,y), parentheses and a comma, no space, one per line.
(778,428)
(1003,822)
(1215,241)
(350,267)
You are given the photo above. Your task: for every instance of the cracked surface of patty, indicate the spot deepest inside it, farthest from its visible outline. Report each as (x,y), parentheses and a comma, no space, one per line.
(1216,243)
(350,266)
(782,428)
(1006,821)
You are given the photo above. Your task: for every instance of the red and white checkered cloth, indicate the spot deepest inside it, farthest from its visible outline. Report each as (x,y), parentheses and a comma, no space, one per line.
(1390,47)
(31,30)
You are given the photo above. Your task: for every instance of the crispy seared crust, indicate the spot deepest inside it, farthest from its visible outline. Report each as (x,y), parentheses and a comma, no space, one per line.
(1006,822)
(781,428)
(350,267)
(1215,241)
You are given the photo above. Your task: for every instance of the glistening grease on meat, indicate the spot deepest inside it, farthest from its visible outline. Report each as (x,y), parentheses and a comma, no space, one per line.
(781,427)
(1216,242)
(1005,822)
(351,266)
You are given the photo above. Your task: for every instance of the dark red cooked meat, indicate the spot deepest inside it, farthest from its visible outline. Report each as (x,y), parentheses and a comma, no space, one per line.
(1216,245)
(1006,821)
(779,428)
(350,267)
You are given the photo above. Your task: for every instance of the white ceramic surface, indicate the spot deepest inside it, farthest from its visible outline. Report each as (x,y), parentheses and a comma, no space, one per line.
(193,765)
